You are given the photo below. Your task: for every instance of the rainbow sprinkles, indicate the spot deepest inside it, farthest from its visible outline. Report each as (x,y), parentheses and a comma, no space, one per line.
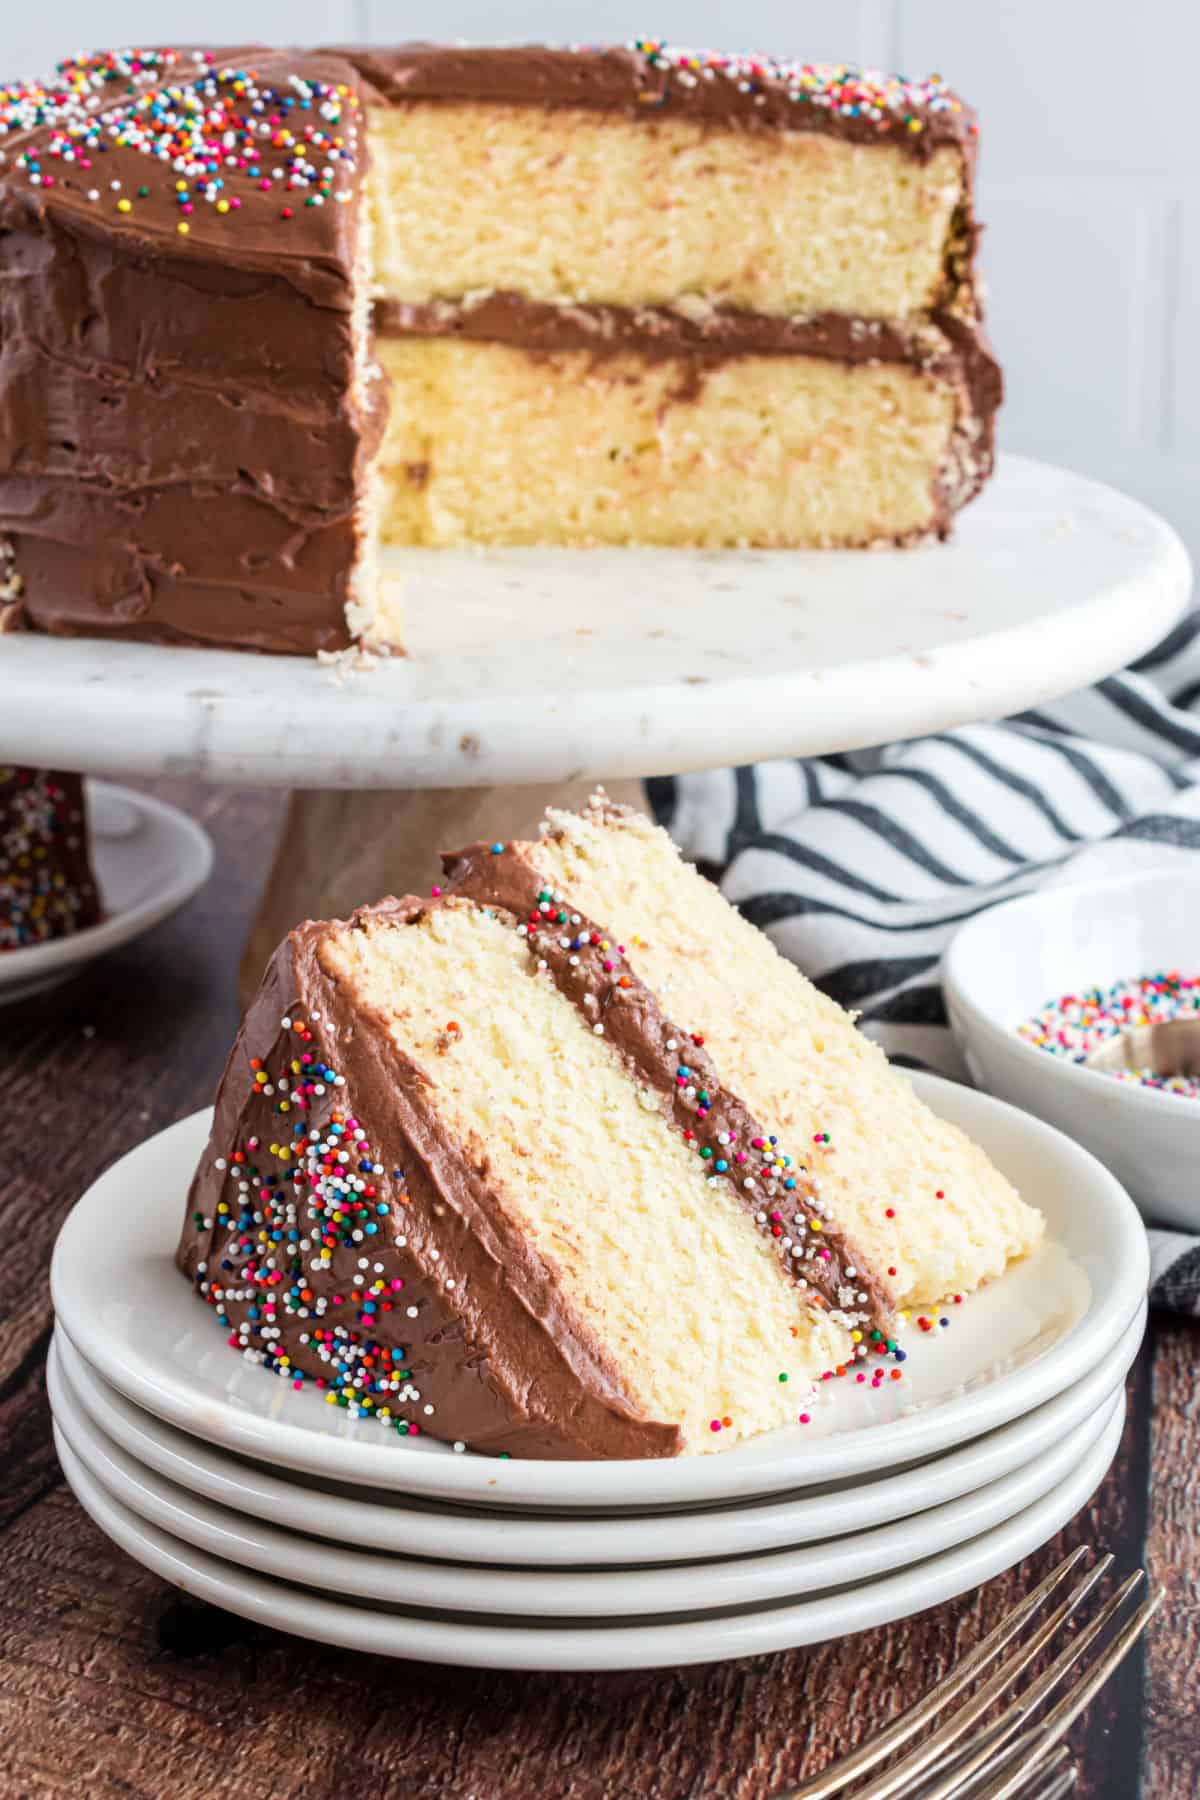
(888,101)
(225,137)
(1077,1024)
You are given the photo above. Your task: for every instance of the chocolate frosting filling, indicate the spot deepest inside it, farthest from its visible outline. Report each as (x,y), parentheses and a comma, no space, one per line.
(588,967)
(945,347)
(658,331)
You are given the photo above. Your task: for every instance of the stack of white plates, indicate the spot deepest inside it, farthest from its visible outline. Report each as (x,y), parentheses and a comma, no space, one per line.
(262,1499)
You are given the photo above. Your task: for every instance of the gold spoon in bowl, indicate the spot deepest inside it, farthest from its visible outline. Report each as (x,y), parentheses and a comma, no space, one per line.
(1172,1048)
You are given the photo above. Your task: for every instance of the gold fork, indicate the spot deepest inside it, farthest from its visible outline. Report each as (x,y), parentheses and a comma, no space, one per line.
(1014,1754)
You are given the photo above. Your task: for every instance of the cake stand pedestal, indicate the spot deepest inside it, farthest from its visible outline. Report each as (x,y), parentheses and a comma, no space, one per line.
(337,850)
(532,674)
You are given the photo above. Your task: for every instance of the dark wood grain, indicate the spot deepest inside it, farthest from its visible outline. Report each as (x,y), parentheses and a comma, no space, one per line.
(114,1684)
(1173,1548)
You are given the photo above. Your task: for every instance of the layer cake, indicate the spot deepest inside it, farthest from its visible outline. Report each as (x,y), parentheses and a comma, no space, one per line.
(261,311)
(566,1161)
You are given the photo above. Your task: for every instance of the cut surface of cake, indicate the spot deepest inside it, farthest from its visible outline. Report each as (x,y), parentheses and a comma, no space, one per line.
(710,300)
(921,1201)
(489,1167)
(47,886)
(263,310)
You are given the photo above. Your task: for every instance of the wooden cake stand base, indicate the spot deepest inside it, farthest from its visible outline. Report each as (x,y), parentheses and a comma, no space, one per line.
(342,850)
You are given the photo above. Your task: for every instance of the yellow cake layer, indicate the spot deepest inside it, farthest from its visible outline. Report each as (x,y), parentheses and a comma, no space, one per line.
(490,444)
(798,1062)
(668,1272)
(570,204)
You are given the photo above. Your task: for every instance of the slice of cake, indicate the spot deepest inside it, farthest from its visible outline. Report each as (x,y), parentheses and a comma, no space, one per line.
(493,1167)
(47,888)
(621,296)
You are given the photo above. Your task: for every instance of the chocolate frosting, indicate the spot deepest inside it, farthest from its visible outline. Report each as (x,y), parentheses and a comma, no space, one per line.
(181,435)
(494,1347)
(945,346)
(714,332)
(589,968)
(643,80)
(314,259)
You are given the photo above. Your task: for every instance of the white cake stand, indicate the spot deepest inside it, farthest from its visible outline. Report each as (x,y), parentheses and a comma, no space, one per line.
(539,672)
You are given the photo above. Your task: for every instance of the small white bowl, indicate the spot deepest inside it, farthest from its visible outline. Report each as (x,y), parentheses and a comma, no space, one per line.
(1009,962)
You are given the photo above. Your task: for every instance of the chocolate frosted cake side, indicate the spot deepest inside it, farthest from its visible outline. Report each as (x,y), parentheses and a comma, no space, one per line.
(188,405)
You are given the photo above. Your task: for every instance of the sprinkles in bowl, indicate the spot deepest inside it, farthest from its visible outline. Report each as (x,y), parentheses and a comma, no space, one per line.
(1077,1024)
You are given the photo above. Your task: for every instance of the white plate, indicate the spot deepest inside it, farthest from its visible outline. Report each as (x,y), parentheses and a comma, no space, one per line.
(1011,1347)
(638,661)
(714,1637)
(149,859)
(360,1571)
(414,1527)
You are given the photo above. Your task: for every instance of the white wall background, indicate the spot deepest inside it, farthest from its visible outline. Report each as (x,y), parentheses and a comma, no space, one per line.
(1090,176)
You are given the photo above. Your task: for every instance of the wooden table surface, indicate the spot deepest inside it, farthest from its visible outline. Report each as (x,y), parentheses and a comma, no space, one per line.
(114,1684)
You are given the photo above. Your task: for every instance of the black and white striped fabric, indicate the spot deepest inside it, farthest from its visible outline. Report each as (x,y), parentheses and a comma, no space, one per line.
(861,866)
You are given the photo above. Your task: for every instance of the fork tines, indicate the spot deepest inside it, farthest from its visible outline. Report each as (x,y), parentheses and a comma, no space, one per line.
(1020,1750)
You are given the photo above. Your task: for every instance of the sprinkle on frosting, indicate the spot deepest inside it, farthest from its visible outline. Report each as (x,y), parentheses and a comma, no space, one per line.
(889,101)
(219,137)
(291,1205)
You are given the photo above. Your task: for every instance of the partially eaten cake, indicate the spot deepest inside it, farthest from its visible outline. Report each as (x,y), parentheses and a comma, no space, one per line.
(263,311)
(567,1161)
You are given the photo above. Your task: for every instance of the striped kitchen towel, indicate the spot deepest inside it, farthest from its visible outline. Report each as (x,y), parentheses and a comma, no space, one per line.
(861,866)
